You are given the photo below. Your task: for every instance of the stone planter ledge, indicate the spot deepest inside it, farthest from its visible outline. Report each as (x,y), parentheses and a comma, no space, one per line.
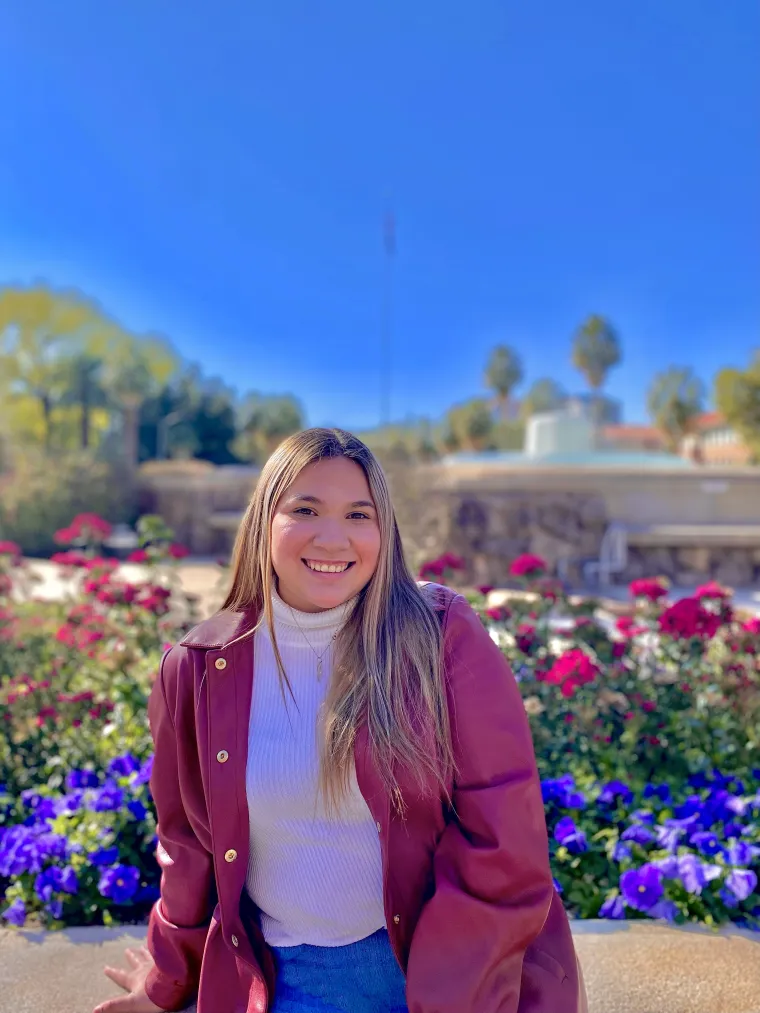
(629,967)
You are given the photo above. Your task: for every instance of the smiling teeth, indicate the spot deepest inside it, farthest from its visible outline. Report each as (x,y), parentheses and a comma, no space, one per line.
(325,568)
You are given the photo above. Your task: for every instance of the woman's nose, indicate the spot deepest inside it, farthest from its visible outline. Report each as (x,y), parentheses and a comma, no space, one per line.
(331,535)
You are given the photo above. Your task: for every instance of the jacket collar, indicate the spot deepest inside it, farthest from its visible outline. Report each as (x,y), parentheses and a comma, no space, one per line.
(222,629)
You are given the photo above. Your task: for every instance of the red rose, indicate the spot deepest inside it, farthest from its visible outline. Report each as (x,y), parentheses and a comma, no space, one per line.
(572,669)
(70,558)
(649,588)
(178,551)
(484,589)
(497,613)
(528,565)
(138,556)
(687,618)
(712,591)
(9,549)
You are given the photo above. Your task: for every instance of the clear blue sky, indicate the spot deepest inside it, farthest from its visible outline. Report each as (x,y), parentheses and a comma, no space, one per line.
(218,172)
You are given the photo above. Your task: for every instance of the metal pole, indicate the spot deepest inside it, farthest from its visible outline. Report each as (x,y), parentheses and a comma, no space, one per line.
(389,236)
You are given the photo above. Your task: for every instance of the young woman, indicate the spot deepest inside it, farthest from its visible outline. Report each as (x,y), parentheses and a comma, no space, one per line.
(350,817)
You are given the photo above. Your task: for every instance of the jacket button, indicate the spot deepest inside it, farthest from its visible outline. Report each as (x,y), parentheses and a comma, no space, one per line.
(235,940)
(220,663)
(230,856)
(222,756)
(379,827)
(396,919)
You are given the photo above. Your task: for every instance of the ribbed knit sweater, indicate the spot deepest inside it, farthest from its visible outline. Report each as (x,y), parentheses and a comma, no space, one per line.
(316,877)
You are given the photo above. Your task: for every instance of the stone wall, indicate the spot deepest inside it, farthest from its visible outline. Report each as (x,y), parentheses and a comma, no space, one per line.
(190,500)
(490,515)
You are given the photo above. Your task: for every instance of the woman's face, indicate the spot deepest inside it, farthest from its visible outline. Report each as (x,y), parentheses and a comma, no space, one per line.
(326,519)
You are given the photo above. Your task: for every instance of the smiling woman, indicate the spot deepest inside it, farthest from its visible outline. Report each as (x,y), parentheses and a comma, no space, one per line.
(325,535)
(370,841)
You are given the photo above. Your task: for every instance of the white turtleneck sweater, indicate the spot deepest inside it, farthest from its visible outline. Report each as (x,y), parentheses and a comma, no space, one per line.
(315,877)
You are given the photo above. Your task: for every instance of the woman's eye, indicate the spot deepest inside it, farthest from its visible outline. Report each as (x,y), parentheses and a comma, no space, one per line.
(360,516)
(301,510)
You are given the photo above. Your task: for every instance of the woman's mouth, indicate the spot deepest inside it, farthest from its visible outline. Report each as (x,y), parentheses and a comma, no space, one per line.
(327,569)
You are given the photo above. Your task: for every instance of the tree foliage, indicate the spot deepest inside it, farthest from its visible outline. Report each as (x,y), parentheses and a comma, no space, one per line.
(504,372)
(545,395)
(737,396)
(596,350)
(675,400)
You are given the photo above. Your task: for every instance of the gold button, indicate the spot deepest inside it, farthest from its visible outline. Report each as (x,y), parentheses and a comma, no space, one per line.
(220,663)
(222,756)
(396,919)
(379,828)
(235,940)
(230,856)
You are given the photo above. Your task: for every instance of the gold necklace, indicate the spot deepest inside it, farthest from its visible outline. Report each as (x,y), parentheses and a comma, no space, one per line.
(319,656)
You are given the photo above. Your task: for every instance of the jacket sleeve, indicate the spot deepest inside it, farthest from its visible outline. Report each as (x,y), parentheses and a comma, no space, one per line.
(180,918)
(493,884)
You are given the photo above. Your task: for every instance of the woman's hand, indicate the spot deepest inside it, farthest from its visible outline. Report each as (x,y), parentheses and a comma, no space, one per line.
(133,982)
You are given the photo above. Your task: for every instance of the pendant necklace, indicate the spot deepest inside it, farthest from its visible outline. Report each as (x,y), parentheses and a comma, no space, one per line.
(318,656)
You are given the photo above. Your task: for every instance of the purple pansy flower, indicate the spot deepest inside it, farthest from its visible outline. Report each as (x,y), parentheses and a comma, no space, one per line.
(613,907)
(614,790)
(123,766)
(78,779)
(741,882)
(638,834)
(120,883)
(642,888)
(16,913)
(104,856)
(739,853)
(109,797)
(568,834)
(706,842)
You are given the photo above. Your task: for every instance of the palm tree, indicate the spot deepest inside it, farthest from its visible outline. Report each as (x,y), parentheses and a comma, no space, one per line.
(504,372)
(84,388)
(596,350)
(675,400)
(134,368)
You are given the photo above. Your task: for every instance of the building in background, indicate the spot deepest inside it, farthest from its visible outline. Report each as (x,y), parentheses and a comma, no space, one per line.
(713,441)
(718,443)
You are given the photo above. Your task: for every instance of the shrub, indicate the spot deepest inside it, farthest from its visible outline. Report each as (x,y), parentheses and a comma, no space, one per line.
(646,731)
(41,496)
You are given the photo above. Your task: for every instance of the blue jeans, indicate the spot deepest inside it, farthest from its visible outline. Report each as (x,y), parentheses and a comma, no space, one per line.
(362,977)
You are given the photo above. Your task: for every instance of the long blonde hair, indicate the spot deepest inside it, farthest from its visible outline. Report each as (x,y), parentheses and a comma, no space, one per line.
(388,654)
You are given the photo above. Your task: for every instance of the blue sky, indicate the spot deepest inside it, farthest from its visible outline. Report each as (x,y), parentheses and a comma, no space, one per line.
(219,173)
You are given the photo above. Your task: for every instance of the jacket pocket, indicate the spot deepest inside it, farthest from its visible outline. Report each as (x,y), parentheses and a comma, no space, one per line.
(540,958)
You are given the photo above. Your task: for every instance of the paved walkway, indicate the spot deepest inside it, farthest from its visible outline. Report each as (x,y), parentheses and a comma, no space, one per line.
(629,968)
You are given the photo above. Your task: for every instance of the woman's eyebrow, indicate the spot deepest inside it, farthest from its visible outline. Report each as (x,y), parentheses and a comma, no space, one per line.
(318,502)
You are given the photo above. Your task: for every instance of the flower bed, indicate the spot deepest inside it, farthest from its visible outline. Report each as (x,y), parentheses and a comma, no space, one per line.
(646,733)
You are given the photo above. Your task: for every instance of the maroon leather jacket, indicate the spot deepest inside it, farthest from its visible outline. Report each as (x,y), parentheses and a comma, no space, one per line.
(470,907)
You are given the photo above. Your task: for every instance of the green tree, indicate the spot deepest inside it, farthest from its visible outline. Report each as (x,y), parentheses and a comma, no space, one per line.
(41,330)
(264,422)
(84,388)
(675,399)
(545,395)
(471,424)
(737,397)
(134,368)
(504,372)
(596,350)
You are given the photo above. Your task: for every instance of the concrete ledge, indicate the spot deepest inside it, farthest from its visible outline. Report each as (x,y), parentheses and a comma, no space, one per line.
(629,967)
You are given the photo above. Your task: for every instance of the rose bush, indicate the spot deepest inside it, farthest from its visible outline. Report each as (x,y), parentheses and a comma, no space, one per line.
(646,729)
